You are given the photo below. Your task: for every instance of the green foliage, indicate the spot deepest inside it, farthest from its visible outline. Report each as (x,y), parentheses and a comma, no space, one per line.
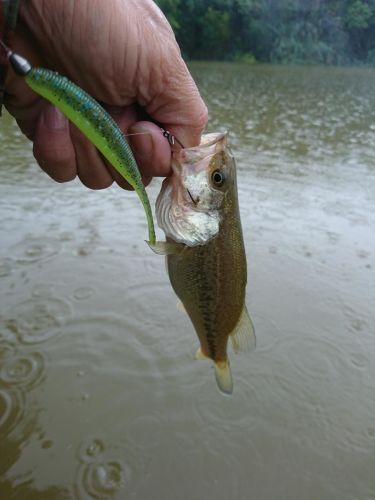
(245,57)
(283,31)
(358,15)
(215,29)
(170,9)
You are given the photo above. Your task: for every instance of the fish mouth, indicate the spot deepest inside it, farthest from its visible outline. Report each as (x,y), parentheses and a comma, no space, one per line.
(192,199)
(209,140)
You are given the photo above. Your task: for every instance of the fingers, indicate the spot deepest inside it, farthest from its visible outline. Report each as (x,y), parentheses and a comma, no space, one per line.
(90,165)
(63,152)
(53,148)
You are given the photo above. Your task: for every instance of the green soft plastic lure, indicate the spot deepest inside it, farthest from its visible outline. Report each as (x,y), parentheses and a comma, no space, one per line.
(92,120)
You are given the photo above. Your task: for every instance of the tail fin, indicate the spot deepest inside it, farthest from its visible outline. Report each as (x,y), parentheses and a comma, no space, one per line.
(224,377)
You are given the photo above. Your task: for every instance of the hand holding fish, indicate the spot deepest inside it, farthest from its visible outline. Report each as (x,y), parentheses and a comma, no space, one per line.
(122,52)
(197,207)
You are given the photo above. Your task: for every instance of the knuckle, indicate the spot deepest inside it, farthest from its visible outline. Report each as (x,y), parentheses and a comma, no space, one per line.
(202,117)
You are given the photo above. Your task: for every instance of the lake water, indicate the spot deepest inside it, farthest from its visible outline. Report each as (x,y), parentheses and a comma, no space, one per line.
(100,396)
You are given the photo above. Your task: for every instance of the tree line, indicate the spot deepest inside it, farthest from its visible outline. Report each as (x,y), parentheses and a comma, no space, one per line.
(279,31)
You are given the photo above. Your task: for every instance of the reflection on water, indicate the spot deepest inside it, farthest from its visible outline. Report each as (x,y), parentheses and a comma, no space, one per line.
(100,396)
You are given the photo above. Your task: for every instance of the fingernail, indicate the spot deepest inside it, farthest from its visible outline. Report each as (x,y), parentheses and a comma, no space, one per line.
(54,118)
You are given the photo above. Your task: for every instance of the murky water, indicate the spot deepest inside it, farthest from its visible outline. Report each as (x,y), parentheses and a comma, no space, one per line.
(100,396)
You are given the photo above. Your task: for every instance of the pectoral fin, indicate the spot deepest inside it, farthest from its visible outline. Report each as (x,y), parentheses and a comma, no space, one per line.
(243,336)
(166,247)
(180,307)
(224,377)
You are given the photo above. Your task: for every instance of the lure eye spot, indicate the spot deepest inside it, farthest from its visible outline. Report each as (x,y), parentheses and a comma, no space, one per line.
(218,178)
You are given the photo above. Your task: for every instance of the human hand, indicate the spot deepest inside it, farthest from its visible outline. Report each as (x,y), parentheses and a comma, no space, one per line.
(123,53)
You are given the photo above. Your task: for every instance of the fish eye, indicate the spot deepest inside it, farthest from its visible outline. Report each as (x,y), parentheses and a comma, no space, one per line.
(218,178)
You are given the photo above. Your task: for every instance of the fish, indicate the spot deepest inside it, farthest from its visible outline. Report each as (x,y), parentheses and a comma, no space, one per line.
(198,210)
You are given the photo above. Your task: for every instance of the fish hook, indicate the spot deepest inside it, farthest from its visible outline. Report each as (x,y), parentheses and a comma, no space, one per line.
(172,139)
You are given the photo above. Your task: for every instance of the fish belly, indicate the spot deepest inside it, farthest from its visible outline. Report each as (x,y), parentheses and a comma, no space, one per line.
(210,281)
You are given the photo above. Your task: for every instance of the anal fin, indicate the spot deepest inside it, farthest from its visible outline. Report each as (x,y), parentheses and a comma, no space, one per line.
(180,307)
(200,354)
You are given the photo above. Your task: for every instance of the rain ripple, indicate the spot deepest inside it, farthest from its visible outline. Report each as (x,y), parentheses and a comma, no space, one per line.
(119,349)
(83,293)
(224,412)
(34,249)
(37,319)
(314,357)
(173,353)
(12,409)
(90,449)
(26,371)
(5,268)
(100,475)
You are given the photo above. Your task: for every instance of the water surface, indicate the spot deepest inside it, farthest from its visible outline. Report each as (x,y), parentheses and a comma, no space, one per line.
(100,396)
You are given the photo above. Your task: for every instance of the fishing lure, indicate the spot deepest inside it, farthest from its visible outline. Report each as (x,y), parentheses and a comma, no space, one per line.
(91,119)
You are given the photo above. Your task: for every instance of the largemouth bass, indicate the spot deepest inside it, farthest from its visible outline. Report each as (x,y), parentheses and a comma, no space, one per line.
(198,210)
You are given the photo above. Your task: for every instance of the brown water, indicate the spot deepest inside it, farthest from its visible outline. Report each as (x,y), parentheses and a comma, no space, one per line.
(100,396)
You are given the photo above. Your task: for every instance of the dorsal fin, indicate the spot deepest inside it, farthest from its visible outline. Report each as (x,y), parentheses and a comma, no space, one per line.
(243,335)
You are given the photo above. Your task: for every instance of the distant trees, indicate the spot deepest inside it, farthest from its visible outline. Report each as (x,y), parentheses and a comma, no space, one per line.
(293,31)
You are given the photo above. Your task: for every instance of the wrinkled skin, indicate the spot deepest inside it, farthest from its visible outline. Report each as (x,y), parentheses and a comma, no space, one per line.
(123,52)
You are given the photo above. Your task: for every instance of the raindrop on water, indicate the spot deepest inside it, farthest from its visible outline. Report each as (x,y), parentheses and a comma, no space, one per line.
(359,360)
(12,407)
(102,480)
(90,449)
(36,320)
(47,444)
(83,293)
(44,290)
(6,350)
(25,371)
(5,268)
(33,249)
